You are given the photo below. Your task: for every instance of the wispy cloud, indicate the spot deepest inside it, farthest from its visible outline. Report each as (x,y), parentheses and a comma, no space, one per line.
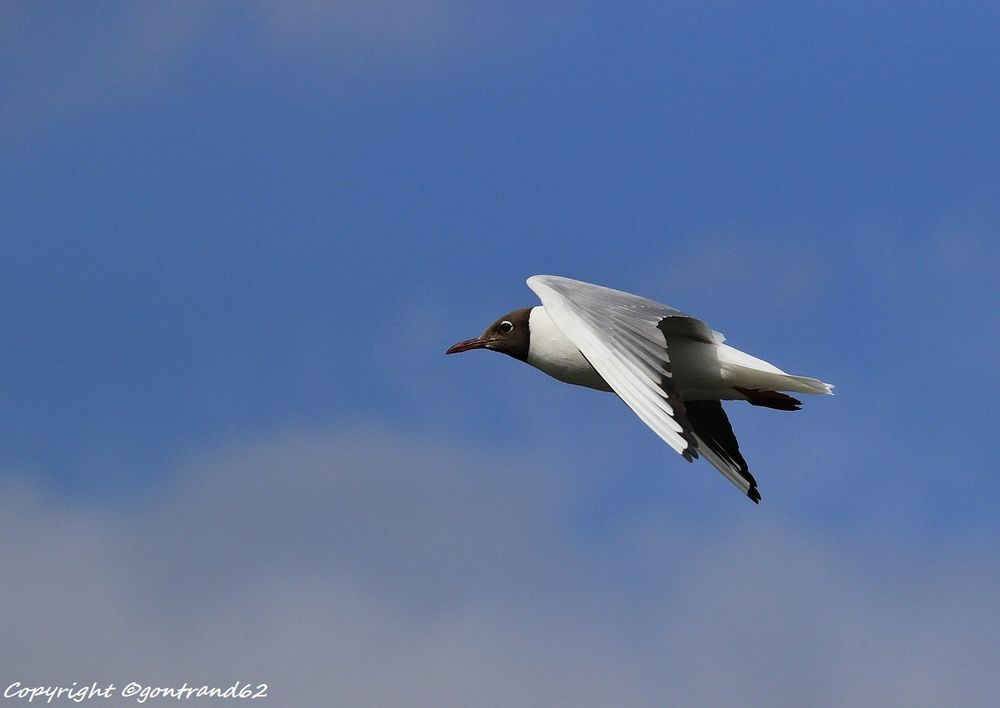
(367,568)
(61,64)
(385,34)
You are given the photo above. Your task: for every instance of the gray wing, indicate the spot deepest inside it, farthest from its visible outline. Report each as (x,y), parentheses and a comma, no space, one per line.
(624,337)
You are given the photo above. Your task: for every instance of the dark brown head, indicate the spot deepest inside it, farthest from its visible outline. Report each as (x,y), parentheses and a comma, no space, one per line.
(508,335)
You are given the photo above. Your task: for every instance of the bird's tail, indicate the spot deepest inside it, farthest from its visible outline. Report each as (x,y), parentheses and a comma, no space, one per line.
(772,381)
(750,372)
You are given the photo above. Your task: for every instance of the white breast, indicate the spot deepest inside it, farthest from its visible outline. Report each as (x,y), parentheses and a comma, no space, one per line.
(550,351)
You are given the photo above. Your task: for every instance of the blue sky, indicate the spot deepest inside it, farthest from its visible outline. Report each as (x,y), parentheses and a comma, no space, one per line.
(237,238)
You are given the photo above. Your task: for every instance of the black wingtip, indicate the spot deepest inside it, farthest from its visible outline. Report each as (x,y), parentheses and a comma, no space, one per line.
(754,495)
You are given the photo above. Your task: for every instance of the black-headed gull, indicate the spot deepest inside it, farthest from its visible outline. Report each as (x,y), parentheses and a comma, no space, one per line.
(670,368)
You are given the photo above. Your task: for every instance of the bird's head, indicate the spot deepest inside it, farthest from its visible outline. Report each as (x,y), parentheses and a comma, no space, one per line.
(508,335)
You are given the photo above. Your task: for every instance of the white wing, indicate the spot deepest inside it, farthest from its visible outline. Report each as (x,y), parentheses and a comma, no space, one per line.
(623,336)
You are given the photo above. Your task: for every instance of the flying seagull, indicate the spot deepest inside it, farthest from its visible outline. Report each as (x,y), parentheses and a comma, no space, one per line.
(671,369)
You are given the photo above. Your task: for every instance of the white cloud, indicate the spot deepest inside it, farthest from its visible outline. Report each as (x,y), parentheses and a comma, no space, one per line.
(63,64)
(387,33)
(367,568)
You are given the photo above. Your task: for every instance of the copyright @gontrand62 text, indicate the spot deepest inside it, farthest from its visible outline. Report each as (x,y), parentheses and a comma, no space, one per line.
(140,693)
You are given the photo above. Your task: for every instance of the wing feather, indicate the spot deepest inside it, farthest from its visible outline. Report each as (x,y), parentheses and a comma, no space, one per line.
(624,337)
(718,444)
(595,319)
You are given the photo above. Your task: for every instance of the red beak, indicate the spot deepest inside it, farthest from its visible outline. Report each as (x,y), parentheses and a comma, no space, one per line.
(474,343)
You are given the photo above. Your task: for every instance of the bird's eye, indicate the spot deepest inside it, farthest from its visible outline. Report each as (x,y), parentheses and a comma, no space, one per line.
(506,326)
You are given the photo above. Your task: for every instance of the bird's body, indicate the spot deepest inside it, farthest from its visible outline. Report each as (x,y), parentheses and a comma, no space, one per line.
(670,368)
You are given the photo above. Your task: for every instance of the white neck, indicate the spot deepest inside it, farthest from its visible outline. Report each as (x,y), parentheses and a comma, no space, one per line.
(550,351)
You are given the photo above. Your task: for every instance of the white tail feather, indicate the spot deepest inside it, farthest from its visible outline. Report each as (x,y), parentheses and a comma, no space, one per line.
(747,371)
